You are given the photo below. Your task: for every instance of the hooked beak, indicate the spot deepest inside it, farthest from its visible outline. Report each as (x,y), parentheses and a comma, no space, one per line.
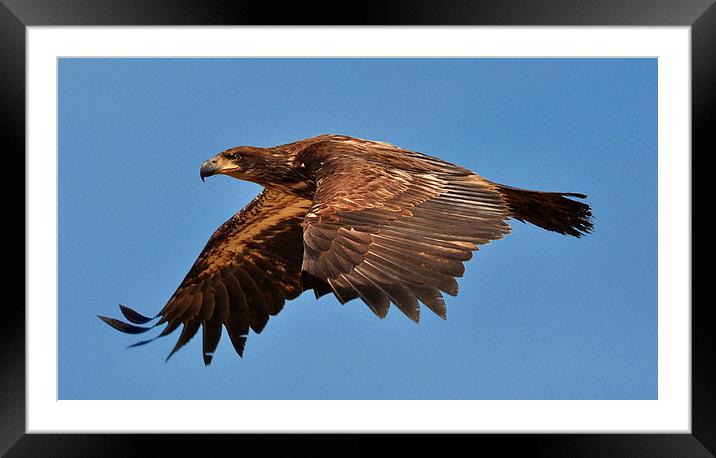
(209,168)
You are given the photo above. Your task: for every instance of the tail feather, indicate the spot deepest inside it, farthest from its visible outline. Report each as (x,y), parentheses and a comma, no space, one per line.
(549,210)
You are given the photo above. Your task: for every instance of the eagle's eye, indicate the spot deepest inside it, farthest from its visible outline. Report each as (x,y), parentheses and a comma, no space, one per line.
(232,156)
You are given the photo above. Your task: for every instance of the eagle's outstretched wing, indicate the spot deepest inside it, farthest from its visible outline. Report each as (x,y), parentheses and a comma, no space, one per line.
(247,270)
(389,233)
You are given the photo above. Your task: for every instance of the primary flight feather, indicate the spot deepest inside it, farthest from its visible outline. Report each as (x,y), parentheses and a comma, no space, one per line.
(352,217)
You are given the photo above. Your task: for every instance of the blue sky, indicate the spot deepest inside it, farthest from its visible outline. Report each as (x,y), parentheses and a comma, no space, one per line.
(538,316)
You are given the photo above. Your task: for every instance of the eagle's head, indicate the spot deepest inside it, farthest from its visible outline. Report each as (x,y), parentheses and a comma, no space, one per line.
(243,162)
(268,167)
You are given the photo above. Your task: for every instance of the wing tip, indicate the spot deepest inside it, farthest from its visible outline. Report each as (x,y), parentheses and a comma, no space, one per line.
(171,353)
(133,316)
(121,326)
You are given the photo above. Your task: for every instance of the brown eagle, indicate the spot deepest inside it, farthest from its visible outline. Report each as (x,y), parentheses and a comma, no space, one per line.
(356,218)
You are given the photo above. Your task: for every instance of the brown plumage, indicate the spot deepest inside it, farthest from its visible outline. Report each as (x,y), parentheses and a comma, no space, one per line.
(352,217)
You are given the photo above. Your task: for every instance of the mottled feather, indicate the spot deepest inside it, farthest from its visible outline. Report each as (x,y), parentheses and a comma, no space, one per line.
(225,286)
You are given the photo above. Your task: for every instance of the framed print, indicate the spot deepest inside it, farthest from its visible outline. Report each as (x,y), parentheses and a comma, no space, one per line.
(574,339)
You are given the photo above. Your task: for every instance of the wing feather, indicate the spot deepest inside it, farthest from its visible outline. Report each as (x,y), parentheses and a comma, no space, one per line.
(248,269)
(402,231)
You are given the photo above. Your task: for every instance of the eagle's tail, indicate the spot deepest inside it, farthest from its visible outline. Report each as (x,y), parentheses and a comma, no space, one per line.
(549,210)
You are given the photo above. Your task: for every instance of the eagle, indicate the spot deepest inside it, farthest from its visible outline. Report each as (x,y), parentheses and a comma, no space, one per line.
(355,218)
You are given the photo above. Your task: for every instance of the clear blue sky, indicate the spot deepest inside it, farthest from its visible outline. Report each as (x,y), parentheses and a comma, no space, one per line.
(538,316)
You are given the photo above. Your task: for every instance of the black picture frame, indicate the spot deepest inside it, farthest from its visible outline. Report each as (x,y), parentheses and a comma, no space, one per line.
(16,15)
